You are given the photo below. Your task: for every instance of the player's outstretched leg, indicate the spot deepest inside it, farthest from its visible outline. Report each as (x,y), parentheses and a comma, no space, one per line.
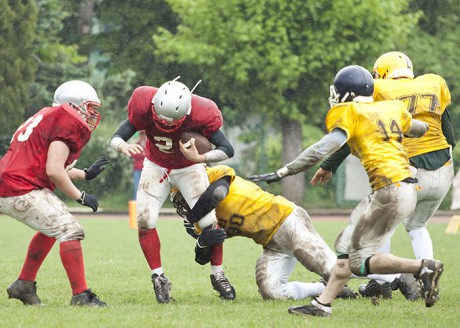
(429,274)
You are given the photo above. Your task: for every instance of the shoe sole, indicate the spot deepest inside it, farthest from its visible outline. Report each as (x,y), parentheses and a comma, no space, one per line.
(294,310)
(433,294)
(11,296)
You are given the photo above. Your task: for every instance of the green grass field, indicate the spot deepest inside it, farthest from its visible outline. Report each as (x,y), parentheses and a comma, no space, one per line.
(117,271)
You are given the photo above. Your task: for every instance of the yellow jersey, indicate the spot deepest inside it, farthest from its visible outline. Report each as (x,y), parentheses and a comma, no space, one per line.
(248,210)
(426,98)
(374,134)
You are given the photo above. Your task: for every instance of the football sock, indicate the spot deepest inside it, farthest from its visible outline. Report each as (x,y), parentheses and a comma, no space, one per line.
(39,247)
(159,271)
(150,244)
(325,307)
(421,244)
(217,254)
(299,290)
(72,259)
(381,278)
(216,268)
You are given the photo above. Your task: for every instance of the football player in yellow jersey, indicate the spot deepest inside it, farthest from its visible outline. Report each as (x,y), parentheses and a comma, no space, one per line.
(374,132)
(283,229)
(426,97)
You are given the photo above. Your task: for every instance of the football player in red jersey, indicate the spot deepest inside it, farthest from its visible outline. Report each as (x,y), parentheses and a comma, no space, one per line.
(164,113)
(41,157)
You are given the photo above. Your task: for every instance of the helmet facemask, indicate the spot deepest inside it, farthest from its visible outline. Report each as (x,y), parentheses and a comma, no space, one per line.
(334,96)
(179,202)
(165,124)
(88,110)
(83,98)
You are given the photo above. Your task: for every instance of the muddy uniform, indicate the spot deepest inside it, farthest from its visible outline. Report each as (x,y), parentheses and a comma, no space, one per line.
(26,192)
(374,134)
(283,229)
(165,164)
(426,97)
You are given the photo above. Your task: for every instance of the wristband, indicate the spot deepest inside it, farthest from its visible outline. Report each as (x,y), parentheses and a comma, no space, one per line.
(116,142)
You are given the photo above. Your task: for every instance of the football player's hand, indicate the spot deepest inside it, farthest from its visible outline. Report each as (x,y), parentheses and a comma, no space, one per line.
(130,149)
(321,176)
(190,228)
(203,254)
(211,236)
(191,153)
(96,168)
(267,177)
(88,200)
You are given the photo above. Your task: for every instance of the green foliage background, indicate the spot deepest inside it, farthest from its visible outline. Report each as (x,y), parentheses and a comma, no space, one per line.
(270,59)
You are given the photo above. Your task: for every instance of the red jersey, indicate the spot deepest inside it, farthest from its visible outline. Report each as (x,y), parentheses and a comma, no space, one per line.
(23,167)
(162,148)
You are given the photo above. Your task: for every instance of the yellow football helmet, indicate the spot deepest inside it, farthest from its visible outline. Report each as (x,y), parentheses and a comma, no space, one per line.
(393,65)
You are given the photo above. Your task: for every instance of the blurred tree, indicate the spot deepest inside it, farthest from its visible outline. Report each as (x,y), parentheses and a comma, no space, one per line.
(125,36)
(57,59)
(17,65)
(278,58)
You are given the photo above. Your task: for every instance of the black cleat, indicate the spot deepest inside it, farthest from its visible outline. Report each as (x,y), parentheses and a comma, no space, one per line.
(221,284)
(87,298)
(162,287)
(429,274)
(374,289)
(25,291)
(408,286)
(314,309)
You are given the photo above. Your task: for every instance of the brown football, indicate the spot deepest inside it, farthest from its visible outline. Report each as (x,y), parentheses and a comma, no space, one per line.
(202,143)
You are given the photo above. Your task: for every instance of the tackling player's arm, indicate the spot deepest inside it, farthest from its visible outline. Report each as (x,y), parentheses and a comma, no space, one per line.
(417,129)
(118,141)
(329,166)
(329,144)
(215,193)
(447,128)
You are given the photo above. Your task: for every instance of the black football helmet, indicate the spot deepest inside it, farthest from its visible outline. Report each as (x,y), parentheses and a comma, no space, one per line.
(351,82)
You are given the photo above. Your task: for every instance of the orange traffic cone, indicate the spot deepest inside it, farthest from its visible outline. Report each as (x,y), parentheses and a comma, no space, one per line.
(132,214)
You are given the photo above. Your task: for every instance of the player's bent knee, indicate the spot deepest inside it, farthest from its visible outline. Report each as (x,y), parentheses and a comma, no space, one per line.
(359,266)
(71,231)
(271,290)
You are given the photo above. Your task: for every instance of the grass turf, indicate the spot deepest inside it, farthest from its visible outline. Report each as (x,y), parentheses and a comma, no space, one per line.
(117,271)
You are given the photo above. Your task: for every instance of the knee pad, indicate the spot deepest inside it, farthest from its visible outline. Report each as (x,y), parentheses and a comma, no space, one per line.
(71,231)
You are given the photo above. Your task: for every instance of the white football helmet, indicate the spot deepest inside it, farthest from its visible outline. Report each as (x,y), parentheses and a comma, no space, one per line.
(81,96)
(171,105)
